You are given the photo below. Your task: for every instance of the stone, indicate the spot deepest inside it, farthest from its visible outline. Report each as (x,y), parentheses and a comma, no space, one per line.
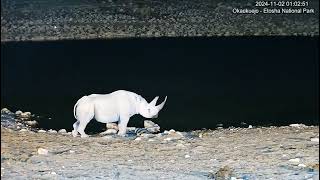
(25,115)
(32,123)
(172,131)
(250,126)
(297,125)
(154,129)
(52,131)
(18,112)
(148,124)
(23,130)
(302,165)
(294,161)
(138,139)
(187,156)
(62,131)
(109,131)
(314,139)
(112,126)
(148,135)
(5,110)
(43,151)
(41,131)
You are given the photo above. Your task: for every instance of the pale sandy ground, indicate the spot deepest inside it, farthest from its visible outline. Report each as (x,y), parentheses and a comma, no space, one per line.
(255,153)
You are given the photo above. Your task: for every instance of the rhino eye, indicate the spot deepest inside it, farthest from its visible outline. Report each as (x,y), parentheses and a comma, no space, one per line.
(149,110)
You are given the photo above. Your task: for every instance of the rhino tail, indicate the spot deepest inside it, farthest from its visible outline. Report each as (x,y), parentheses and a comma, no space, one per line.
(75,106)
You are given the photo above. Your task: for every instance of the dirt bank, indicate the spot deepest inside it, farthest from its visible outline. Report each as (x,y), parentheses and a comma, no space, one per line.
(247,153)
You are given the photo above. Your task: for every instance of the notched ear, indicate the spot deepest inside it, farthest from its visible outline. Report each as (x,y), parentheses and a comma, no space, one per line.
(154,101)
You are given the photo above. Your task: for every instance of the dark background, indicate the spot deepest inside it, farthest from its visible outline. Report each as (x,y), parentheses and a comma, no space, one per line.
(257,80)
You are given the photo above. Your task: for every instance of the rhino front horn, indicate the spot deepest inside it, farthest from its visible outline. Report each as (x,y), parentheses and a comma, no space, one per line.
(160,106)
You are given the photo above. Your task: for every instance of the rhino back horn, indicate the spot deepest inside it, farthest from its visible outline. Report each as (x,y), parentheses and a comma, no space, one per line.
(160,106)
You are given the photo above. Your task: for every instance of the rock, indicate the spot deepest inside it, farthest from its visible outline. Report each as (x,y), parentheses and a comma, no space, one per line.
(43,151)
(23,130)
(297,125)
(32,123)
(25,115)
(302,165)
(223,173)
(148,135)
(109,131)
(62,131)
(112,126)
(5,110)
(151,126)
(165,132)
(172,131)
(294,161)
(41,131)
(18,112)
(52,131)
(314,139)
(187,156)
(250,126)
(138,139)
(154,129)
(167,139)
(148,124)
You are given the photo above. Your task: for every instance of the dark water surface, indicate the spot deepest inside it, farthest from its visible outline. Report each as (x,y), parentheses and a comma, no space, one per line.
(260,81)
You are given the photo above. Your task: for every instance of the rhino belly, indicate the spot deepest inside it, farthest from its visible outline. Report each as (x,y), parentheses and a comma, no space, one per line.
(105,113)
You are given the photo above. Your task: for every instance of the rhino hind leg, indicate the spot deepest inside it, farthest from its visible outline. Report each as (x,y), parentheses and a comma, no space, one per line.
(84,116)
(75,129)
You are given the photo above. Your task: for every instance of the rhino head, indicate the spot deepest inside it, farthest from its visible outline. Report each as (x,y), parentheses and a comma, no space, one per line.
(151,110)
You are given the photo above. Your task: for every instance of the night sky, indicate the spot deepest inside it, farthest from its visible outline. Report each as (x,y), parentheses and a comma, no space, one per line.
(260,81)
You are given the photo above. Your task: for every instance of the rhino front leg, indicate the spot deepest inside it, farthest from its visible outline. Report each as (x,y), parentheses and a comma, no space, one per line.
(123,125)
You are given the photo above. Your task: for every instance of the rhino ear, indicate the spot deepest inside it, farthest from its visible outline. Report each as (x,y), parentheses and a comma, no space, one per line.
(154,101)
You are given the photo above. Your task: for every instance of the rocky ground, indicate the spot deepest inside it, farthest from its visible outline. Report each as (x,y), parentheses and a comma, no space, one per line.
(89,19)
(289,152)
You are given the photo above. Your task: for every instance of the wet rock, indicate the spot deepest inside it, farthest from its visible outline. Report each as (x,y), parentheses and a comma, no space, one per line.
(250,126)
(43,151)
(62,131)
(140,131)
(112,126)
